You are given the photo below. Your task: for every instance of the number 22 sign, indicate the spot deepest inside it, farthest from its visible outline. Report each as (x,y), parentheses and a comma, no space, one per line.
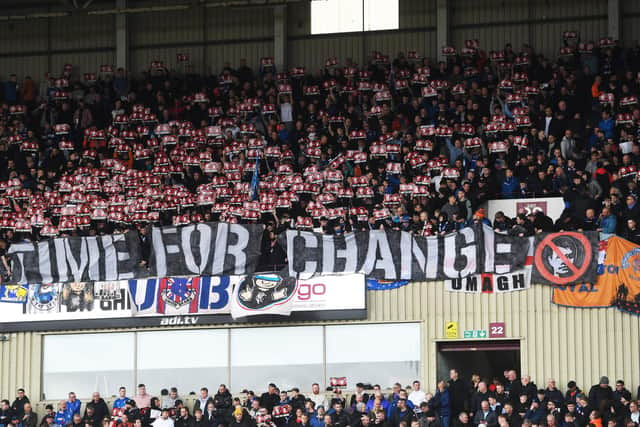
(497,330)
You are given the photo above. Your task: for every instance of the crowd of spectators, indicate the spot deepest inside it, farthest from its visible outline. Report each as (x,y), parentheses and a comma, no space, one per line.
(505,402)
(403,143)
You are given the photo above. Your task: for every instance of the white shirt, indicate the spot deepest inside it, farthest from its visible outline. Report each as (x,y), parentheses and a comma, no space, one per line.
(635,417)
(319,399)
(547,122)
(160,422)
(417,397)
(286,112)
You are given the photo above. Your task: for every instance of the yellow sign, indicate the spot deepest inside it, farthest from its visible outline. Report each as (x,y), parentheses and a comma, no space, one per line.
(451,330)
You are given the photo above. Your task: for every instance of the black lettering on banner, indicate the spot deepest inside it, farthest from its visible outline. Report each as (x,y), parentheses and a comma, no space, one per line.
(472,283)
(487,283)
(396,255)
(518,281)
(456,284)
(210,249)
(76,259)
(503,283)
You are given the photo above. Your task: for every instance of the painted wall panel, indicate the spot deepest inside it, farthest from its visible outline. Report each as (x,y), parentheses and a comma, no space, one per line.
(25,36)
(239,23)
(559,342)
(83,32)
(165,27)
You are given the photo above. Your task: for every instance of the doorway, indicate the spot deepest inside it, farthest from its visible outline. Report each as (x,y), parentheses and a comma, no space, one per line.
(489,359)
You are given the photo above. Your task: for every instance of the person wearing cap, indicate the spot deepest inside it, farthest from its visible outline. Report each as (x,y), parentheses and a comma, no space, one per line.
(601,395)
(572,391)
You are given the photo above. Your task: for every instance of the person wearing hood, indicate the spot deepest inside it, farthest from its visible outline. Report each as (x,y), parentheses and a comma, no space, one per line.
(601,396)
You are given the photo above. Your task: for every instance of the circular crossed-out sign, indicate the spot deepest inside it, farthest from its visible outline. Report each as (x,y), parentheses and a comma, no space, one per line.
(563,258)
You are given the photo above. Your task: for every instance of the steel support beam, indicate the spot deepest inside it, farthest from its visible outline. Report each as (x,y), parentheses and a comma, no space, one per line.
(122,37)
(442,27)
(613,19)
(280,37)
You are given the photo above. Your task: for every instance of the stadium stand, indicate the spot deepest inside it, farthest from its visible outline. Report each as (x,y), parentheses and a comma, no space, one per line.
(402,143)
(506,402)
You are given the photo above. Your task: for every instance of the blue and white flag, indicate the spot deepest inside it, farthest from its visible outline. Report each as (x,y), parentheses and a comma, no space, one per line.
(14,293)
(180,295)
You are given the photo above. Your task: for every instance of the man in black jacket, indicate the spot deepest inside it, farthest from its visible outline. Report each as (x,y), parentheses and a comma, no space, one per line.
(402,413)
(551,393)
(270,398)
(222,402)
(18,405)
(29,418)
(601,396)
(100,407)
(481,394)
(297,399)
(90,418)
(458,392)
(621,400)
(184,419)
(339,418)
(5,412)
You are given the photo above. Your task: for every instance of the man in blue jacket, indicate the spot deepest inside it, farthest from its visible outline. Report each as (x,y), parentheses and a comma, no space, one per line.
(73,405)
(63,416)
